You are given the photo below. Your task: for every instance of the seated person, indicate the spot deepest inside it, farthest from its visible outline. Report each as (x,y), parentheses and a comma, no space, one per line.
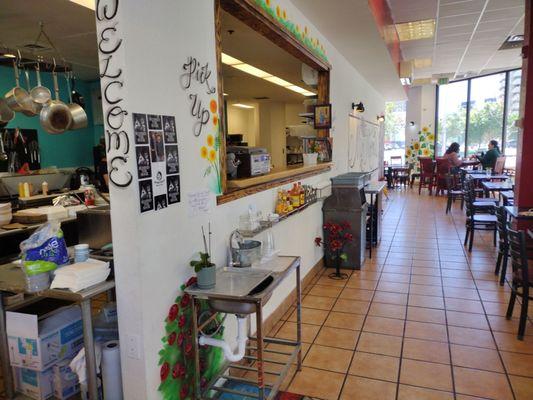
(488,160)
(452,155)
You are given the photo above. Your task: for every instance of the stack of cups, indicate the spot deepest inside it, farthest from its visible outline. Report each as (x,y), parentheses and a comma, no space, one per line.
(81,252)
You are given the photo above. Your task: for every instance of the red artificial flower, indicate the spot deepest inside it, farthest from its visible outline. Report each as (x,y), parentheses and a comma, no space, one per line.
(185,300)
(192,280)
(181,338)
(178,371)
(318,241)
(203,382)
(181,321)
(345,225)
(184,392)
(188,348)
(163,373)
(171,338)
(173,312)
(335,245)
(348,237)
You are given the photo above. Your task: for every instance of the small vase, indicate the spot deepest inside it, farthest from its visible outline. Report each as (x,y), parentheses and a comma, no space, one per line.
(207,277)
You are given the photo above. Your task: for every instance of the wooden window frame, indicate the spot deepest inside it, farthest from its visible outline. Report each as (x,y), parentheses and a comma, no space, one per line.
(255,17)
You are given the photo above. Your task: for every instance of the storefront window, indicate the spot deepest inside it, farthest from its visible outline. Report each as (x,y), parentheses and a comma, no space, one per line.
(452,115)
(394,143)
(513,108)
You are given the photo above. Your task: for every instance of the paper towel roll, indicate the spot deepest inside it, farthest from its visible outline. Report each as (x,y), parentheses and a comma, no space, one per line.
(111,375)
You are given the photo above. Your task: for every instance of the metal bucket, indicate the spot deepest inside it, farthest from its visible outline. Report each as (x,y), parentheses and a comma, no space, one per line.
(249,251)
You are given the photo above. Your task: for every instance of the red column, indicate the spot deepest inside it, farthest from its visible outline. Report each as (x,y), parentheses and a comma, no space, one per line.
(524,159)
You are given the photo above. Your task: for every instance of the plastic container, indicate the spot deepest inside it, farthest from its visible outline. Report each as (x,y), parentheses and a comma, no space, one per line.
(38,282)
(81,252)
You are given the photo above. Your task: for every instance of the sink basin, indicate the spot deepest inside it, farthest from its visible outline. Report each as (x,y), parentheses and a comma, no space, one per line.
(247,283)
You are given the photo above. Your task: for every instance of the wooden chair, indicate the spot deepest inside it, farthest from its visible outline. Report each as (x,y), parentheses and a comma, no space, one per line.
(443,169)
(499,166)
(503,244)
(402,177)
(427,174)
(478,219)
(454,192)
(522,278)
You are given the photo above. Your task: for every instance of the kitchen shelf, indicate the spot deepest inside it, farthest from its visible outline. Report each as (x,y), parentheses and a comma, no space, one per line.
(264,225)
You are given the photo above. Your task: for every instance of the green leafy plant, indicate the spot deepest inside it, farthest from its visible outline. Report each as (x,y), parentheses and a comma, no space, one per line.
(203,262)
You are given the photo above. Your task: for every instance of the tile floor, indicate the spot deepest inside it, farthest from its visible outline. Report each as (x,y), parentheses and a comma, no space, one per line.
(422,320)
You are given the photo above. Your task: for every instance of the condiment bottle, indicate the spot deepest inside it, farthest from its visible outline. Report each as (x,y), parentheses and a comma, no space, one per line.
(21,189)
(26,189)
(44,187)
(302,194)
(295,196)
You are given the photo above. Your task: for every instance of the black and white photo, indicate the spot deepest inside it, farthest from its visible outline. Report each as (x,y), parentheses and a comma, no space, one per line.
(140,128)
(146,196)
(157,146)
(160,202)
(154,122)
(173,189)
(144,166)
(169,128)
(172,161)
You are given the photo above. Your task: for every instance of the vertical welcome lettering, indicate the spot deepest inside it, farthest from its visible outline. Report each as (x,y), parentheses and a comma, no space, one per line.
(112,83)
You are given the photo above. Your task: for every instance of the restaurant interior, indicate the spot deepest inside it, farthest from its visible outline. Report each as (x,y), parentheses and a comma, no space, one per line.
(266,199)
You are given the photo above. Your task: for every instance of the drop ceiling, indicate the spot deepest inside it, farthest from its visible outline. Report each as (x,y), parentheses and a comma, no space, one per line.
(467,37)
(72,29)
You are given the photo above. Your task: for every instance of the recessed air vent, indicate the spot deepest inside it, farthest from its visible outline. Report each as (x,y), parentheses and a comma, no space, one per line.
(262,98)
(512,42)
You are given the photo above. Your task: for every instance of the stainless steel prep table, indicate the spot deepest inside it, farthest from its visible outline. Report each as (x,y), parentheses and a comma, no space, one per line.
(281,268)
(12,280)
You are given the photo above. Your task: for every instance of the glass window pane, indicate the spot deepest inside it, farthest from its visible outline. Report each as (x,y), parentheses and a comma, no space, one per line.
(394,130)
(452,116)
(486,112)
(513,109)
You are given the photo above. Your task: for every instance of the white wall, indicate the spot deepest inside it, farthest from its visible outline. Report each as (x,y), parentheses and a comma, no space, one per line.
(420,110)
(243,121)
(152,250)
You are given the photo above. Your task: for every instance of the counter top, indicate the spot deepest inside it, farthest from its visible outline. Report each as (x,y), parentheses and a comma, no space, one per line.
(276,174)
(375,187)
(279,268)
(30,227)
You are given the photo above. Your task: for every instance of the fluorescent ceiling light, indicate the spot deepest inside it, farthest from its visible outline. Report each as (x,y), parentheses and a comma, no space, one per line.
(225,94)
(85,3)
(415,30)
(230,60)
(9,55)
(259,73)
(422,62)
(252,70)
(240,105)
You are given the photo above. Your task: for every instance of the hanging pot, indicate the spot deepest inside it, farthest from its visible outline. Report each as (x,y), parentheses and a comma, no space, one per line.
(40,94)
(31,109)
(6,113)
(17,98)
(55,116)
(79,116)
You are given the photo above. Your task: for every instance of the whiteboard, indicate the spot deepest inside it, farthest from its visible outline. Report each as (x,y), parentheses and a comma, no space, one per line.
(363,146)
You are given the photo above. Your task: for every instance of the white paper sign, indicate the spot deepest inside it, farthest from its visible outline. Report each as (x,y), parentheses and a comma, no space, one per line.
(200,202)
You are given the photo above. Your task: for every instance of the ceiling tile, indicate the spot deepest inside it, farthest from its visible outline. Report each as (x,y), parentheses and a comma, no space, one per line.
(507,13)
(459,8)
(467,19)
(499,4)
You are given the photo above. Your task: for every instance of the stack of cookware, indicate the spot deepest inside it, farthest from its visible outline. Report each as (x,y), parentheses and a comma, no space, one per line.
(55,116)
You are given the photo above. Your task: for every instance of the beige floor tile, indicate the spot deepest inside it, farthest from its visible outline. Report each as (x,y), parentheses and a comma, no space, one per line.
(425,290)
(319,302)
(356,294)
(336,337)
(406,392)
(325,291)
(387,310)
(390,298)
(328,358)
(476,357)
(421,314)
(380,344)
(481,383)
(388,326)
(345,320)
(418,300)
(427,331)
(375,366)
(467,320)
(471,337)
(518,364)
(426,374)
(317,383)
(288,331)
(393,287)
(351,306)
(425,350)
(522,387)
(325,280)
(471,306)
(358,283)
(310,316)
(367,389)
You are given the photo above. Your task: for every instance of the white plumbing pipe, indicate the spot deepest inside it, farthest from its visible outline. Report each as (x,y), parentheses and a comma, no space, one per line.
(228,352)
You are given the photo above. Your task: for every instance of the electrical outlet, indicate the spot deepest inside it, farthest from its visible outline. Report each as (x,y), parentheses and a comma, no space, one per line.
(132,346)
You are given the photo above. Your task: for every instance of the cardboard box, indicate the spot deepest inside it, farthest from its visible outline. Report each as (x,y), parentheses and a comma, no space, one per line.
(35,384)
(66,383)
(38,338)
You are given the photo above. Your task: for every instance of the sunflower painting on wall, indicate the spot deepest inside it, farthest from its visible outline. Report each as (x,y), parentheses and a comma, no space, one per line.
(422,146)
(210,151)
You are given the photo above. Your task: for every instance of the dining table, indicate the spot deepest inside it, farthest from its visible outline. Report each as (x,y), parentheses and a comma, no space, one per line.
(469,163)
(520,213)
(391,170)
(484,177)
(491,187)
(507,197)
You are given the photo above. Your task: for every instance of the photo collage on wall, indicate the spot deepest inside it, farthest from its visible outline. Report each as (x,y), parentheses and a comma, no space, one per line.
(156,151)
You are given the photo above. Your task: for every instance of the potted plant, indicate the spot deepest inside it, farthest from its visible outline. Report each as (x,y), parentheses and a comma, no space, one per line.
(336,237)
(204,268)
(311,158)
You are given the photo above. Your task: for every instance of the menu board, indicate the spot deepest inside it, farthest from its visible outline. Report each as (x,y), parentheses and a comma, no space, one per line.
(157,157)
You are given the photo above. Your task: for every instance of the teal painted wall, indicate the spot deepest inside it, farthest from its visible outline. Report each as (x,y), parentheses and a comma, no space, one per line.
(70,149)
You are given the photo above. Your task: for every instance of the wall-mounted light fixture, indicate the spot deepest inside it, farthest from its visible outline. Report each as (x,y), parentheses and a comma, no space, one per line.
(380,118)
(412,123)
(359,107)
